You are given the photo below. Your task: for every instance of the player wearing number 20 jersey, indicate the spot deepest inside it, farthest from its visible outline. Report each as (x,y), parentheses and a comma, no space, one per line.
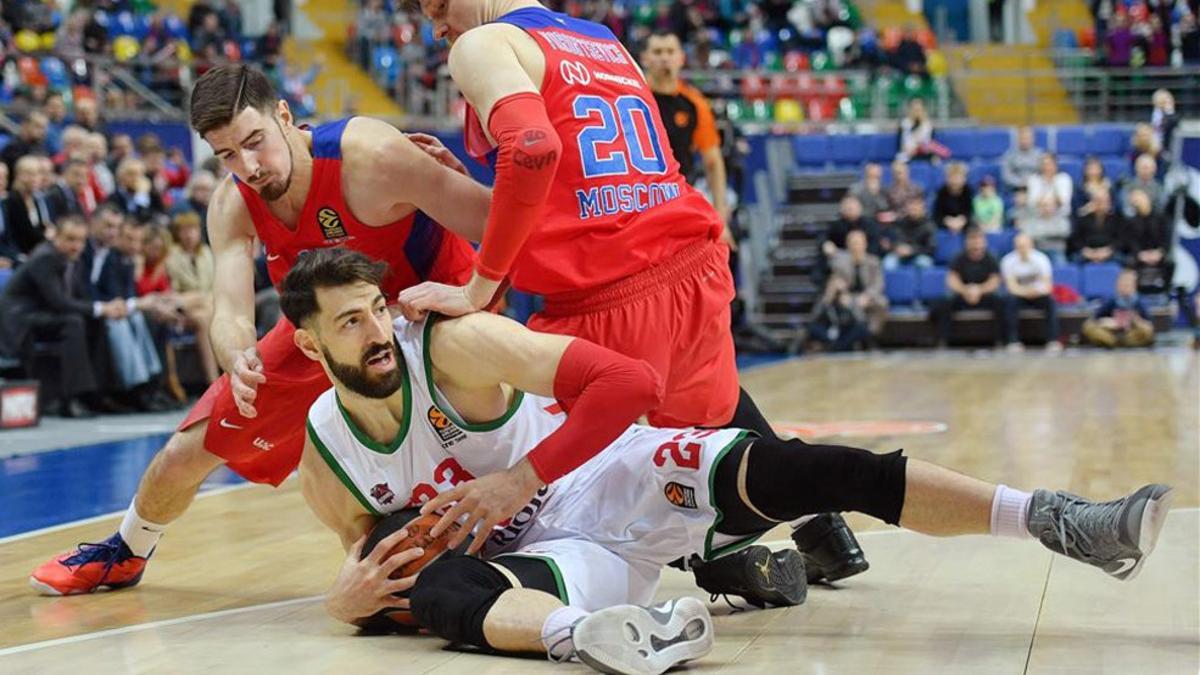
(624,251)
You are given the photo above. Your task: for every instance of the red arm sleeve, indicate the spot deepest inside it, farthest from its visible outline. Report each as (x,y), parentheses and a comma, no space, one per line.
(527,155)
(603,393)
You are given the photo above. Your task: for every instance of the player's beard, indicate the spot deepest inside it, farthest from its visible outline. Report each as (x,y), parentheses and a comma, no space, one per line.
(272,191)
(357,379)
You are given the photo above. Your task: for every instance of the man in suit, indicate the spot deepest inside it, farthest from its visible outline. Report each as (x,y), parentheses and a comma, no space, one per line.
(46,299)
(110,277)
(70,194)
(855,290)
(30,140)
(26,213)
(135,194)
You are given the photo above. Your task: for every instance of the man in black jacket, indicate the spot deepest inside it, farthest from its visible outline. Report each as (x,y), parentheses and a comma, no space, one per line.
(26,214)
(46,299)
(1095,236)
(1146,241)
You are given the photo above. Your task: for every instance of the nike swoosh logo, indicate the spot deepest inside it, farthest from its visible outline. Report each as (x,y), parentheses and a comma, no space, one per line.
(226,424)
(272,257)
(1126,565)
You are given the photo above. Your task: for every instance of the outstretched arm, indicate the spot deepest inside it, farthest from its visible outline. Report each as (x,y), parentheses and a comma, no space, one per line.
(486,67)
(602,392)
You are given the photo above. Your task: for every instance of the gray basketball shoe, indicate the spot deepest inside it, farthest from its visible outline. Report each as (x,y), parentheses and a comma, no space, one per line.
(631,640)
(1115,536)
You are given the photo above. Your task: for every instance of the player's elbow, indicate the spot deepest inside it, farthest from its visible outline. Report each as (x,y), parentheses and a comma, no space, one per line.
(535,153)
(645,388)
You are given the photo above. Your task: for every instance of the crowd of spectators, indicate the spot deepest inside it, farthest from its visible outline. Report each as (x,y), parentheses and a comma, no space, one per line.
(1152,33)
(1049,218)
(103,248)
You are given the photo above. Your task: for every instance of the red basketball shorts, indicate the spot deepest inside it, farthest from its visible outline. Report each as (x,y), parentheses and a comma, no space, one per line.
(267,448)
(673,315)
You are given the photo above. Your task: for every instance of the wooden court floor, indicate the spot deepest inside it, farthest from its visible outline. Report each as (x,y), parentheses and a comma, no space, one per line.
(235,584)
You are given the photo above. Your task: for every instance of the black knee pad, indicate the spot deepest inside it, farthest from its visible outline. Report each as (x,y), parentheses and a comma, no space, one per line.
(453,595)
(789,479)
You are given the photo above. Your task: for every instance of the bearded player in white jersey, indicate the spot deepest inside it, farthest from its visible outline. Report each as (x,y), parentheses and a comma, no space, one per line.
(467,415)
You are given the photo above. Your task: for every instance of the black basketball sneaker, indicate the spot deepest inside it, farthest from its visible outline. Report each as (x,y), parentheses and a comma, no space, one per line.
(830,550)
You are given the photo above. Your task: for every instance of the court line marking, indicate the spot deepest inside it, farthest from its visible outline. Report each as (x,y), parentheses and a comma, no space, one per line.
(94,519)
(83,637)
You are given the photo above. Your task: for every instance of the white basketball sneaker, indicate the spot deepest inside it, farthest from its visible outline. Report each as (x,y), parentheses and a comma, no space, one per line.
(632,640)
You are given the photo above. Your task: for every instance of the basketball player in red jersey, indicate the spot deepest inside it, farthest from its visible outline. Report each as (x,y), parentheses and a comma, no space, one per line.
(589,210)
(357,183)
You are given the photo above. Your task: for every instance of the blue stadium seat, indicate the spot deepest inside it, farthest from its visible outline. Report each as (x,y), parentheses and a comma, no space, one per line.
(882,147)
(1001,243)
(1071,167)
(1041,137)
(926,175)
(1110,140)
(1064,38)
(933,283)
(901,285)
(962,143)
(992,142)
(5,274)
(1116,168)
(811,150)
(1067,275)
(976,173)
(1072,141)
(847,149)
(1100,280)
(946,245)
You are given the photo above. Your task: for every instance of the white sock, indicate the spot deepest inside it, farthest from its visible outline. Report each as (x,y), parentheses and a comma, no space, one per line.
(140,534)
(1010,513)
(556,632)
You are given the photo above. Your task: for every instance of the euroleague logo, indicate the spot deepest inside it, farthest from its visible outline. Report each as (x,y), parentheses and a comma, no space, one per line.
(331,223)
(443,427)
(574,72)
(680,495)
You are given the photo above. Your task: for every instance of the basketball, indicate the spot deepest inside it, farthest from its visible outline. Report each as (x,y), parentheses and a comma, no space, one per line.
(397,618)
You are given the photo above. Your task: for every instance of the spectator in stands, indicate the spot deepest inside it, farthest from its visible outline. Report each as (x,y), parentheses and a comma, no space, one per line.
(374,29)
(851,219)
(1143,180)
(45,183)
(1143,142)
(909,240)
(210,34)
(1029,280)
(135,194)
(1122,321)
(869,192)
(916,135)
(972,281)
(95,39)
(909,57)
(120,149)
(87,115)
(270,46)
(1146,242)
(150,268)
(190,268)
(111,277)
(854,307)
(30,140)
(1094,180)
(1189,39)
(73,143)
(688,119)
(953,203)
(72,194)
(47,299)
(902,188)
(1119,43)
(103,180)
(1095,236)
(987,209)
(1164,119)
(56,118)
(1048,227)
(196,197)
(1021,163)
(1049,183)
(26,214)
(165,173)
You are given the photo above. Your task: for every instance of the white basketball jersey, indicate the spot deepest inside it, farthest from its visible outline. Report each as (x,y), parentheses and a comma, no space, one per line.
(435,449)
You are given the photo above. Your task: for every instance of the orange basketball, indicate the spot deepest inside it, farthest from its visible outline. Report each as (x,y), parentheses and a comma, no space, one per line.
(418,527)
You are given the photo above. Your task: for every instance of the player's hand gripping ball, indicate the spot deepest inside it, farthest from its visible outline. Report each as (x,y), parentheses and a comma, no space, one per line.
(394,619)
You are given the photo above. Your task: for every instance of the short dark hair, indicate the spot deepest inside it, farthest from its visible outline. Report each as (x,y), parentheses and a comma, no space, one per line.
(223,92)
(324,268)
(972,231)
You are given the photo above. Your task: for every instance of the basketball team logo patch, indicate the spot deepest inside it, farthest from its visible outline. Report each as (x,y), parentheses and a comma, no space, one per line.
(382,494)
(680,495)
(443,427)
(331,223)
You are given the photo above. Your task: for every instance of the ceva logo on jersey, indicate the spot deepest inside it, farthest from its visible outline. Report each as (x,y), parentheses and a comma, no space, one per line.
(574,72)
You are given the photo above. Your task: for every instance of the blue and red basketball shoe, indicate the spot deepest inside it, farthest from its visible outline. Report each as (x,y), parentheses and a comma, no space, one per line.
(109,563)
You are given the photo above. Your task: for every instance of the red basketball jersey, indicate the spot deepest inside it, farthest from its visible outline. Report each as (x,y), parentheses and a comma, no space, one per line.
(415,248)
(618,203)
